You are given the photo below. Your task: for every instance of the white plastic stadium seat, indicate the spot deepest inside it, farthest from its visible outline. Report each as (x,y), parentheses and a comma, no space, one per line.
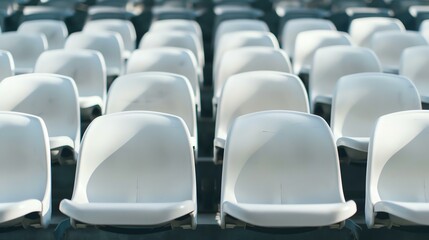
(424,29)
(7,65)
(124,27)
(234,40)
(173,60)
(308,42)
(389,45)
(361,30)
(155,91)
(236,25)
(25,49)
(424,25)
(253,92)
(138,155)
(295,26)
(396,189)
(25,167)
(272,161)
(332,63)
(183,25)
(177,39)
(248,59)
(360,99)
(87,69)
(55,31)
(53,98)
(109,44)
(414,65)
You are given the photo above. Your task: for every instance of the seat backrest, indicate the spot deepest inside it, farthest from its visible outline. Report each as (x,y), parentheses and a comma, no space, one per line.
(360,99)
(24,47)
(280,155)
(7,65)
(308,42)
(109,44)
(25,161)
(143,157)
(361,30)
(177,25)
(424,25)
(234,25)
(49,96)
(414,65)
(258,91)
(397,160)
(55,31)
(124,27)
(96,12)
(24,143)
(241,39)
(85,67)
(295,26)
(389,45)
(167,59)
(248,59)
(177,39)
(332,63)
(154,91)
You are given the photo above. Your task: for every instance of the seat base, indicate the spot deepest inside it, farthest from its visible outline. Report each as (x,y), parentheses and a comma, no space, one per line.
(405,213)
(356,148)
(128,214)
(14,213)
(289,215)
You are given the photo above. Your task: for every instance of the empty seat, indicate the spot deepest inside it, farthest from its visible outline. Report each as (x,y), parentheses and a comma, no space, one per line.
(361,30)
(109,44)
(308,42)
(359,100)
(419,13)
(332,63)
(365,12)
(414,65)
(87,69)
(124,27)
(272,161)
(228,12)
(155,91)
(248,59)
(25,49)
(398,147)
(388,46)
(55,31)
(424,29)
(98,12)
(238,25)
(25,168)
(177,39)
(41,12)
(57,3)
(115,3)
(53,98)
(7,65)
(252,92)
(424,25)
(289,13)
(177,25)
(343,17)
(295,26)
(139,156)
(241,39)
(173,60)
(168,12)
